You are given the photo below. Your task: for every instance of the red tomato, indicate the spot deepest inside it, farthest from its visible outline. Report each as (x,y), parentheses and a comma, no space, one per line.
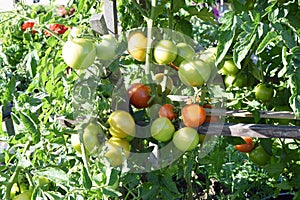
(247,147)
(139,95)
(57,29)
(28,25)
(167,111)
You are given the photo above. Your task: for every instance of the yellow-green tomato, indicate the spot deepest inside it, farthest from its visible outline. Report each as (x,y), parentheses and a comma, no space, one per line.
(106,49)
(165,52)
(90,137)
(26,195)
(186,139)
(194,73)
(117,149)
(162,129)
(79,53)
(121,124)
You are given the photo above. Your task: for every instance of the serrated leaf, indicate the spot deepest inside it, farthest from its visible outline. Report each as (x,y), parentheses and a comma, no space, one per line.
(28,123)
(270,37)
(53,174)
(242,47)
(227,34)
(86,180)
(169,183)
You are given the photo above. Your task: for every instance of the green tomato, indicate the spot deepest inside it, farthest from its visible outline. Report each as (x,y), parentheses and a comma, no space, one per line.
(194,73)
(259,156)
(237,80)
(106,50)
(165,52)
(209,56)
(229,68)
(186,139)
(162,129)
(263,92)
(184,52)
(90,138)
(79,53)
(26,195)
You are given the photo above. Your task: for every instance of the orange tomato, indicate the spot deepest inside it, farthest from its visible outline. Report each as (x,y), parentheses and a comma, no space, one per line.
(193,115)
(247,147)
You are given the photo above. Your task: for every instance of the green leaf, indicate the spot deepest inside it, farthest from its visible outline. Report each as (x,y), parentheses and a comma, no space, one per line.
(113,177)
(227,33)
(267,143)
(28,122)
(149,190)
(270,37)
(274,169)
(111,192)
(169,183)
(56,175)
(86,180)
(242,47)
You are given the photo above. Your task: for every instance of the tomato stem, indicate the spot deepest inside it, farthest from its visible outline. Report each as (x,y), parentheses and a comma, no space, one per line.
(174,66)
(14,178)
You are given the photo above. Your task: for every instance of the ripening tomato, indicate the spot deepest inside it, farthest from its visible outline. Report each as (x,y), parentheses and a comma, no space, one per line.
(26,195)
(247,147)
(79,53)
(167,110)
(193,115)
(90,138)
(163,86)
(229,68)
(139,95)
